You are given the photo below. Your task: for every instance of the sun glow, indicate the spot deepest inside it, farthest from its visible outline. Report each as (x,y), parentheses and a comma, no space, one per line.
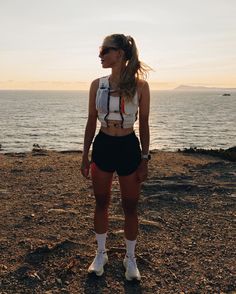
(55,47)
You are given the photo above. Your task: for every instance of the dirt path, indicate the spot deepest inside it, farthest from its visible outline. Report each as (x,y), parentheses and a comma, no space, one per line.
(186,240)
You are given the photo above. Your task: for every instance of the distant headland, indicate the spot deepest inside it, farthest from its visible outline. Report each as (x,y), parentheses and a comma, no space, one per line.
(201,88)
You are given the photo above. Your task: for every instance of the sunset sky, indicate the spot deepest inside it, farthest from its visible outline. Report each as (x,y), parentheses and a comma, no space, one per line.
(53,44)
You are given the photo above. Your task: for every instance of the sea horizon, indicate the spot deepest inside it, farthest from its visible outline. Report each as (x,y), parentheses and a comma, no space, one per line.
(184,88)
(56,119)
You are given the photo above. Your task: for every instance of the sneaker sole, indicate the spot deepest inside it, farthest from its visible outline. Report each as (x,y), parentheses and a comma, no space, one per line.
(130,278)
(99,274)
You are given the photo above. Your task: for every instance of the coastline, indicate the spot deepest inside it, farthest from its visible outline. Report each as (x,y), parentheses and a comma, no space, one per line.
(185,242)
(226,154)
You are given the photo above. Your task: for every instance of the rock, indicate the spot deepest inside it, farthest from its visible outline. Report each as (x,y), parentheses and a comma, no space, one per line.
(3,191)
(58,210)
(228,154)
(16,170)
(70,151)
(25,272)
(118,232)
(38,150)
(26,243)
(15,154)
(34,276)
(38,255)
(29,217)
(59,281)
(46,169)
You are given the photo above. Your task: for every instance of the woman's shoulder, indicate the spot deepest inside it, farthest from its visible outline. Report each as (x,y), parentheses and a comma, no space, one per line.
(95,83)
(141,85)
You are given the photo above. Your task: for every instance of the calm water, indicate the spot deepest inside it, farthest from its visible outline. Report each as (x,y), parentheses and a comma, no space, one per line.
(56,120)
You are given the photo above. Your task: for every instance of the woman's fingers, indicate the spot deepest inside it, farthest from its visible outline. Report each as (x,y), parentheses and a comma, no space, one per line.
(85,171)
(141,177)
(85,166)
(142,173)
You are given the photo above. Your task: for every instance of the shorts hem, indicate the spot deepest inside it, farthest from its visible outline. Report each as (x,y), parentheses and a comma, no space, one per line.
(102,169)
(127,173)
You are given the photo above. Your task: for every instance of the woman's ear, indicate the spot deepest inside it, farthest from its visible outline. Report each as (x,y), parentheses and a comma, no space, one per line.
(121,54)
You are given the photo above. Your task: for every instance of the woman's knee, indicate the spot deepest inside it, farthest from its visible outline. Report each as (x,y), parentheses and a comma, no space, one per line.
(129,205)
(102,201)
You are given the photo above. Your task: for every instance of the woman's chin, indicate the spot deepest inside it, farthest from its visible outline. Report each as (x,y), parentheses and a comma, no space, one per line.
(104,66)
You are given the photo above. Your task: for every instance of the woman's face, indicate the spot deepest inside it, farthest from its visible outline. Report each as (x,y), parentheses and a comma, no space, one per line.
(110,55)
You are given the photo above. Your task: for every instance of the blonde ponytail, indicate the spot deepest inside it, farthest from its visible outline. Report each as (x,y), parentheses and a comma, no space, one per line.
(134,68)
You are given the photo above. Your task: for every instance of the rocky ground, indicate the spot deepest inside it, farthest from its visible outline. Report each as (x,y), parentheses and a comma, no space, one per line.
(186,241)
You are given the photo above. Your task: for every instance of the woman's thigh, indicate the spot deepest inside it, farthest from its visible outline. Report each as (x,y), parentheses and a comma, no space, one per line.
(102,182)
(130,188)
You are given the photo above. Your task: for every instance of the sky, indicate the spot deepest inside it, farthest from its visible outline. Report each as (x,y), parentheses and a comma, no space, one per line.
(53,44)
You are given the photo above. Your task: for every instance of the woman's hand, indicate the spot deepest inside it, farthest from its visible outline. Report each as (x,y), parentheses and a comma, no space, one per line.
(142,171)
(85,166)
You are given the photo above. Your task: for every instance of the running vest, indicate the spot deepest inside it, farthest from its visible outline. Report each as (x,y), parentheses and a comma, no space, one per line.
(115,107)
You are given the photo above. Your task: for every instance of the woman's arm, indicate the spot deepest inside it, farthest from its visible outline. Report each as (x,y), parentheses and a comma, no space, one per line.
(90,127)
(144,106)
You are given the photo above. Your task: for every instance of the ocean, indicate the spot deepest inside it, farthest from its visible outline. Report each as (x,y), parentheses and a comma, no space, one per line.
(56,120)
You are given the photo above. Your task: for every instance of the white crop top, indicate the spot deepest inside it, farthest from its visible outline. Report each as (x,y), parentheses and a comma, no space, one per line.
(115,107)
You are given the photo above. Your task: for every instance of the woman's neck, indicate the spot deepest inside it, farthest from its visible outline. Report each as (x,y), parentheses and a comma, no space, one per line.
(115,74)
(114,79)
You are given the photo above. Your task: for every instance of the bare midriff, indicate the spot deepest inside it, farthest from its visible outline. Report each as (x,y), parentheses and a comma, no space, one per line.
(114,129)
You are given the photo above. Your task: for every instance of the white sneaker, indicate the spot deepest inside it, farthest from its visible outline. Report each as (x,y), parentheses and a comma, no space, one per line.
(98,263)
(132,271)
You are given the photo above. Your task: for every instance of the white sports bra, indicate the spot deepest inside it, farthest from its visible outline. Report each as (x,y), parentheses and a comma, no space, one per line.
(115,107)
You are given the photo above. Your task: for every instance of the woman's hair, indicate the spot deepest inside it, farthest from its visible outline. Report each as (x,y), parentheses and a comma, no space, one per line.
(134,68)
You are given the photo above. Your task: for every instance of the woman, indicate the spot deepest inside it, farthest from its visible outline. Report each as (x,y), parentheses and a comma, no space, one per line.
(115,100)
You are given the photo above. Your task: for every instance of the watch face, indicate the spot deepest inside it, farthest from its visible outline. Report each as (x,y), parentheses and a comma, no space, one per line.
(148,157)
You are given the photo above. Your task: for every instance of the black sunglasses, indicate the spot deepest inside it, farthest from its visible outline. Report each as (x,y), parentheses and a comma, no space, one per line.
(106,50)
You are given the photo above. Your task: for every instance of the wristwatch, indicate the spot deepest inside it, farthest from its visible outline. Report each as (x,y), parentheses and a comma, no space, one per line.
(146,156)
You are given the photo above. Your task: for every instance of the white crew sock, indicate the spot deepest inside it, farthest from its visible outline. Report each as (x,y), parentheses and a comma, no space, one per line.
(130,247)
(101,241)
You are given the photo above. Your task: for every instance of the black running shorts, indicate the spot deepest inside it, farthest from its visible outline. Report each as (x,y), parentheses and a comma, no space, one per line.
(116,153)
